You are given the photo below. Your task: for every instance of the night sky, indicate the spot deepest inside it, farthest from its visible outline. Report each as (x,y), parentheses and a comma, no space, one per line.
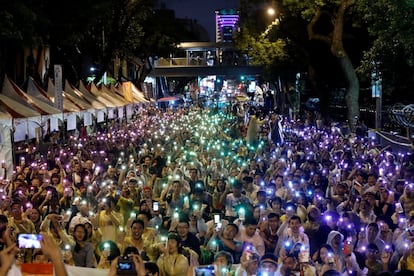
(201,10)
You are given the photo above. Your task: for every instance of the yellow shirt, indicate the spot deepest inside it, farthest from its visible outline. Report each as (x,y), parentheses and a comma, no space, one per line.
(173,265)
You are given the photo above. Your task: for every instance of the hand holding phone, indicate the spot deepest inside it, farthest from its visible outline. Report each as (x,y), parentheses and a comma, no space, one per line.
(29,240)
(155,206)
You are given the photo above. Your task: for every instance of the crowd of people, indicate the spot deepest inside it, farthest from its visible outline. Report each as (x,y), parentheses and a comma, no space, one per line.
(195,191)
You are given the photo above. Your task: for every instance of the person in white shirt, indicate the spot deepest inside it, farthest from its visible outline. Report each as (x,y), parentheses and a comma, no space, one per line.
(292,235)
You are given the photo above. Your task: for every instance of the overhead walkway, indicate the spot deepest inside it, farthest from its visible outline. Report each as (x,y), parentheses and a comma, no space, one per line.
(203,59)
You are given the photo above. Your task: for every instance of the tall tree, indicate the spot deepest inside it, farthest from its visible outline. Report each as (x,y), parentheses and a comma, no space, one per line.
(17,29)
(390,23)
(257,40)
(84,32)
(333,12)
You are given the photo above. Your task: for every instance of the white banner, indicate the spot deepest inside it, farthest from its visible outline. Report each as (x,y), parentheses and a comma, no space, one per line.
(58,87)
(120,112)
(71,119)
(111,114)
(87,119)
(100,116)
(129,111)
(54,124)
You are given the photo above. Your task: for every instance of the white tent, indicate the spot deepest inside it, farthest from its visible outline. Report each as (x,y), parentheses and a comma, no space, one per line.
(85,95)
(68,105)
(17,121)
(112,95)
(11,90)
(81,104)
(6,145)
(98,94)
(35,90)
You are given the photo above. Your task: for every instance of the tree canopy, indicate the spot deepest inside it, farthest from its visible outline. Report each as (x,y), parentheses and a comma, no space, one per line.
(332,38)
(390,24)
(86,33)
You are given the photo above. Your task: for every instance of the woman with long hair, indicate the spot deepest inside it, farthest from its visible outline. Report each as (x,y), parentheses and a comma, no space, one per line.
(93,236)
(82,252)
(35,216)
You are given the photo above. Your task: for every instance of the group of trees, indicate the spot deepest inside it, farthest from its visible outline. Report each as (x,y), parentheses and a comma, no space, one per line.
(337,42)
(85,33)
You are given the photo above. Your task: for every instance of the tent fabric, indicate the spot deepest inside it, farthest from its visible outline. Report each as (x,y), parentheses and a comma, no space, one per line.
(111,94)
(16,109)
(6,148)
(132,93)
(11,90)
(85,95)
(74,97)
(136,93)
(104,92)
(97,93)
(117,90)
(28,113)
(35,90)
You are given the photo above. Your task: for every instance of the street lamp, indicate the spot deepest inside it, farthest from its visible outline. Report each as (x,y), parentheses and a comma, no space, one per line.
(271,11)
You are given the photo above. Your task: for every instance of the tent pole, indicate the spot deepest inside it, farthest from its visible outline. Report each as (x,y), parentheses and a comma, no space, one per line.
(12,130)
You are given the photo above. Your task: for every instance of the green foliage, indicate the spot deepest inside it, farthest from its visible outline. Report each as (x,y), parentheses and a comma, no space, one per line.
(17,22)
(258,39)
(390,24)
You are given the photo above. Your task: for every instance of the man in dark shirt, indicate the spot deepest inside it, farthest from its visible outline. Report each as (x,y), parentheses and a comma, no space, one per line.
(188,239)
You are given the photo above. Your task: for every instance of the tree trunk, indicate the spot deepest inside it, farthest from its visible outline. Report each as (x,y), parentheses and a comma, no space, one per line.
(352,91)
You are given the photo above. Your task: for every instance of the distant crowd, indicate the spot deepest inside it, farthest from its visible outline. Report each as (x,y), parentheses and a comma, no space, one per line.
(195,191)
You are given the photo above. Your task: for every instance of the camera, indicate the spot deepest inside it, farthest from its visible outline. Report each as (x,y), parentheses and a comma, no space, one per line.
(126,266)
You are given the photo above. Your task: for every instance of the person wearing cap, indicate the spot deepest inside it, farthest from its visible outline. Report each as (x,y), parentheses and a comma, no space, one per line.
(172,262)
(337,193)
(268,264)
(249,263)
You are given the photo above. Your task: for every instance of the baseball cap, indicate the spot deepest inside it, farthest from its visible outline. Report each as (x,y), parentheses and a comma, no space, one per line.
(269,258)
